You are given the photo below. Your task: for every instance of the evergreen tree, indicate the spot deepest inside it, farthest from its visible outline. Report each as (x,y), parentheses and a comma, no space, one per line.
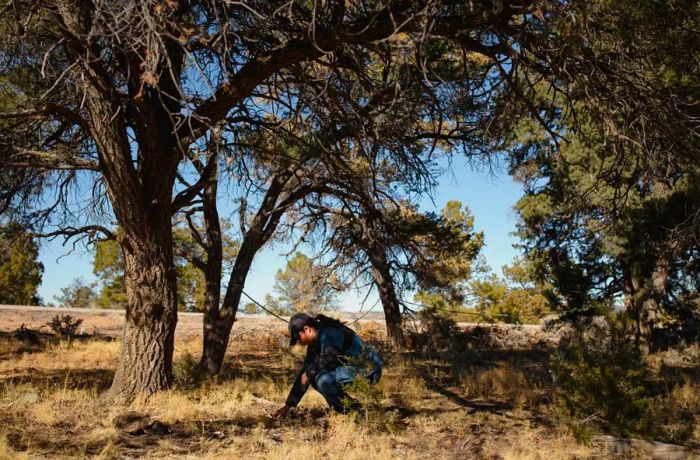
(108,266)
(20,269)
(305,286)
(517,297)
(77,294)
(448,258)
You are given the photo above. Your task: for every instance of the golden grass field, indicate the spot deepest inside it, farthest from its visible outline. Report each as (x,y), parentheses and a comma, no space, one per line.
(493,404)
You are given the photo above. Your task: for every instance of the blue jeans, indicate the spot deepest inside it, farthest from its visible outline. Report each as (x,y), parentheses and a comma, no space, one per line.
(331,383)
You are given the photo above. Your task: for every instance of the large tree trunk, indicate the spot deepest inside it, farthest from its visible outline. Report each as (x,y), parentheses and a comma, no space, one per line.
(141,202)
(642,297)
(630,287)
(145,364)
(387,294)
(140,193)
(651,306)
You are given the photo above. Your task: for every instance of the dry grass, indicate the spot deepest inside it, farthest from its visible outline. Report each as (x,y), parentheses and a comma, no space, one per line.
(483,403)
(65,356)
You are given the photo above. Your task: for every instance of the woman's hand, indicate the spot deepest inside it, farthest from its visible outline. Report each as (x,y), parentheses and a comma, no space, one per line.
(281,412)
(304,379)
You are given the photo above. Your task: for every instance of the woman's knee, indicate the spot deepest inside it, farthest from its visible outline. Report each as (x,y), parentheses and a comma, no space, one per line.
(325,381)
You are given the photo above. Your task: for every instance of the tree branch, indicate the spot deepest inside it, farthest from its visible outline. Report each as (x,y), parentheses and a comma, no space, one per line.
(50,161)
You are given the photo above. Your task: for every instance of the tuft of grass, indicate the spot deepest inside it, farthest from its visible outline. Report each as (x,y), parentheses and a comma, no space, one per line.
(343,439)
(502,382)
(372,413)
(7,452)
(535,443)
(56,407)
(677,412)
(109,452)
(186,372)
(170,407)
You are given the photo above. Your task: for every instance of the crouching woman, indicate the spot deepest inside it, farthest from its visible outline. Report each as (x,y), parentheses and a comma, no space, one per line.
(334,357)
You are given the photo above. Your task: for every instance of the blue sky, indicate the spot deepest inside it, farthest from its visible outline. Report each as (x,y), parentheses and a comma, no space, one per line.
(489,195)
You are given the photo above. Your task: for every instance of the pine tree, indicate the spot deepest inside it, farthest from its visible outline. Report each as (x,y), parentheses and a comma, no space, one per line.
(20,269)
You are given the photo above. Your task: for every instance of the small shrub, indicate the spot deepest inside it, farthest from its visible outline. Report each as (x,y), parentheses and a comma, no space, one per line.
(370,412)
(677,411)
(366,398)
(65,325)
(186,372)
(602,382)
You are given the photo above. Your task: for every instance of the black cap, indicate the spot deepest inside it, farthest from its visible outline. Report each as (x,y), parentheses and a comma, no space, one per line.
(296,324)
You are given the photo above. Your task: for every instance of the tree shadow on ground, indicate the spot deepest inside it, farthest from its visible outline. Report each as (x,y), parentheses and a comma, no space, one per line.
(101,379)
(445,373)
(678,375)
(190,435)
(22,341)
(258,366)
(454,396)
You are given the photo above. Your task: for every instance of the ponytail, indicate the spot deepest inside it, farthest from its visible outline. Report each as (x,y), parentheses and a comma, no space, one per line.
(320,321)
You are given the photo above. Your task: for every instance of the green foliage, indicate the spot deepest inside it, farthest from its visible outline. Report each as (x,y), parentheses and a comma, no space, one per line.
(611,210)
(191,285)
(448,257)
(20,269)
(611,202)
(189,254)
(78,294)
(517,298)
(186,372)
(273,304)
(250,308)
(369,410)
(108,266)
(596,240)
(366,399)
(602,381)
(447,248)
(304,286)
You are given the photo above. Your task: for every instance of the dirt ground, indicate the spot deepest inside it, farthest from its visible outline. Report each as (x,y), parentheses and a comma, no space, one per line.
(492,404)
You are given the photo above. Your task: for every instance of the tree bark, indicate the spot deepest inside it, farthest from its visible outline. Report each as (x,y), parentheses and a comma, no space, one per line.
(642,297)
(387,294)
(145,364)
(141,202)
(214,344)
(630,288)
(219,321)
